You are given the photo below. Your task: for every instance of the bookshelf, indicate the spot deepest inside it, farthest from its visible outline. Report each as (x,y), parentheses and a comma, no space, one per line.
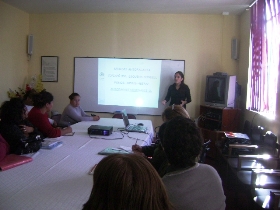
(213,121)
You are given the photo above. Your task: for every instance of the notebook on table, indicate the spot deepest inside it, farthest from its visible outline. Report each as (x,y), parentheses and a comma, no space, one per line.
(132,128)
(112,150)
(12,160)
(50,144)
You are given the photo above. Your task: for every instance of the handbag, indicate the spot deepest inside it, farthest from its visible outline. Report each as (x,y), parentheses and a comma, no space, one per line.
(30,145)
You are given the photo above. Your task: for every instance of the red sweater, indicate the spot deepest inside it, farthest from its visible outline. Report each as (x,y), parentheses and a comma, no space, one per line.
(41,121)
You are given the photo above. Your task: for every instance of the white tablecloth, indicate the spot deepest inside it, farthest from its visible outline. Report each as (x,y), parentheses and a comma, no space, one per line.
(58,179)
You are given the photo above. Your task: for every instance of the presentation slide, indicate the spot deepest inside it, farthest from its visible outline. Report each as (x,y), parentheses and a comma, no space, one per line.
(135,84)
(136,80)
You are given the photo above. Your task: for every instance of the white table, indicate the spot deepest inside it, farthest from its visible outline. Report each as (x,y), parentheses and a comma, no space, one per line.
(58,179)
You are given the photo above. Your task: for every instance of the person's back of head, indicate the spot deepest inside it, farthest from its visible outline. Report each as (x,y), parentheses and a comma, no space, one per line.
(42,98)
(127,182)
(12,111)
(174,111)
(28,97)
(182,142)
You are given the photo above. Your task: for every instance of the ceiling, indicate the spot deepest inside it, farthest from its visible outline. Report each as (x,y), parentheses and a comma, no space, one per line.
(231,7)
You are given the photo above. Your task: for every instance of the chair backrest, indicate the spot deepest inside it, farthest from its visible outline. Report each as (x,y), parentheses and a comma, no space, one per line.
(270,143)
(56,117)
(247,128)
(257,135)
(119,116)
(205,149)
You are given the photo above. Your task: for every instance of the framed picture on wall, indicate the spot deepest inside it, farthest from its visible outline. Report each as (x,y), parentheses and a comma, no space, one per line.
(49,68)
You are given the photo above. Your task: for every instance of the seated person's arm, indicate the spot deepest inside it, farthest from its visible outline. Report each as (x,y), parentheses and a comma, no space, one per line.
(147,150)
(76,116)
(66,130)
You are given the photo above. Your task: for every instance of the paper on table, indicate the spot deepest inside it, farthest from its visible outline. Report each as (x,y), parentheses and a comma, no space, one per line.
(236,135)
(129,149)
(69,134)
(111,150)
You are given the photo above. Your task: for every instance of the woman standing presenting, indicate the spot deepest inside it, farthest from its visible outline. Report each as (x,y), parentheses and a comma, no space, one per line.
(179,92)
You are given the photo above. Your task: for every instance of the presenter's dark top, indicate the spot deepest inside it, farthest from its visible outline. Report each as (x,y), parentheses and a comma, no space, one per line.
(176,96)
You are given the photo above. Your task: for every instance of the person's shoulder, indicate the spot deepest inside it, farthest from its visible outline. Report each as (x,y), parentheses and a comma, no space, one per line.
(173,85)
(69,107)
(185,85)
(207,167)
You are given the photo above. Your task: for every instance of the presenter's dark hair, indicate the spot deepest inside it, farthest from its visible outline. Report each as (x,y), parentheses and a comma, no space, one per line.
(12,111)
(127,182)
(182,142)
(42,98)
(181,74)
(72,96)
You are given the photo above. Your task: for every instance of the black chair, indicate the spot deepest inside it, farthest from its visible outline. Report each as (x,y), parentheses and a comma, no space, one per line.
(274,200)
(205,149)
(266,157)
(247,128)
(265,188)
(56,117)
(119,116)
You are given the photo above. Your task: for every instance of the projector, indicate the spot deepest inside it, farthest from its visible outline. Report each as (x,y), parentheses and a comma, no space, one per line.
(100,130)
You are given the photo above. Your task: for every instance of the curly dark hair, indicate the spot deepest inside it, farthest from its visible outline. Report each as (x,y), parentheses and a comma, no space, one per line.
(42,98)
(12,111)
(182,142)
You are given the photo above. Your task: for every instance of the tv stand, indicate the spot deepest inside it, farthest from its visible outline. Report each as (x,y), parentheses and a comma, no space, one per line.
(213,121)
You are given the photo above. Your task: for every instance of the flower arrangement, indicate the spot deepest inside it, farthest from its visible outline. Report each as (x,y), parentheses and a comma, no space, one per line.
(35,84)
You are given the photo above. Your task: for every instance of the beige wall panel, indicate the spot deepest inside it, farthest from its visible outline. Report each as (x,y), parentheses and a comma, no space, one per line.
(14,29)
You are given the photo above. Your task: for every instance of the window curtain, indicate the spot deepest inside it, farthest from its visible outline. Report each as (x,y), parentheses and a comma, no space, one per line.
(264,57)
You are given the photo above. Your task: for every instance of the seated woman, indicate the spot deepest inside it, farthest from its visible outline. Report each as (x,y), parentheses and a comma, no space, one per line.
(16,129)
(28,101)
(43,103)
(73,113)
(190,185)
(127,182)
(155,153)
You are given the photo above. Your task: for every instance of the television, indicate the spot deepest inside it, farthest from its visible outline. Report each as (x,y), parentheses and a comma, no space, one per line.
(220,90)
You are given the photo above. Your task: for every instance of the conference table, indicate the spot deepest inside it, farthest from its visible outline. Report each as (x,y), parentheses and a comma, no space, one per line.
(59,179)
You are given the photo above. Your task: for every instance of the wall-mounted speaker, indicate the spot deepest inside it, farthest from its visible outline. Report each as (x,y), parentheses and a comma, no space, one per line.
(30,44)
(234,49)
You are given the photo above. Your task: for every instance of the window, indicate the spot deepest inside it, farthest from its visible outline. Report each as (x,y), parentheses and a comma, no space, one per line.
(264,58)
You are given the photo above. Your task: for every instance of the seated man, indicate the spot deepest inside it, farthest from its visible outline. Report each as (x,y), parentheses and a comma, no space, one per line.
(190,185)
